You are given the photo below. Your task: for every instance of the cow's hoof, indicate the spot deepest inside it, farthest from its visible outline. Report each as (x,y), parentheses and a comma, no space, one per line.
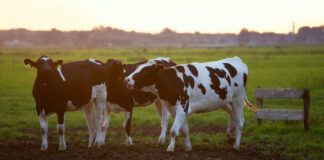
(160,142)
(62,147)
(44,147)
(236,147)
(129,141)
(99,143)
(188,149)
(170,149)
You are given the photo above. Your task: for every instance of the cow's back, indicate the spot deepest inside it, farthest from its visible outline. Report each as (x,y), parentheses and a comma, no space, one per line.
(81,77)
(215,84)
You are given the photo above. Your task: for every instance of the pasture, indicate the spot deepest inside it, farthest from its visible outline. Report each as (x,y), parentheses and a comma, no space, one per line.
(269,67)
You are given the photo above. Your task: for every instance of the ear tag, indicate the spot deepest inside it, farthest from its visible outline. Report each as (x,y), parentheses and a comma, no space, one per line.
(124,70)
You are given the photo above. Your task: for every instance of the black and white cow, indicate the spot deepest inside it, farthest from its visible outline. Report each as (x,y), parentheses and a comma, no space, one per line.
(196,88)
(74,86)
(120,98)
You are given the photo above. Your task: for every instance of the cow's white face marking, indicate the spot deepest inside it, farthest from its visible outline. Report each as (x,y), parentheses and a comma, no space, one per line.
(45,58)
(60,72)
(94,61)
(129,79)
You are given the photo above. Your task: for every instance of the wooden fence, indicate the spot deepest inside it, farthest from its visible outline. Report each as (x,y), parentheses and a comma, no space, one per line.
(283,114)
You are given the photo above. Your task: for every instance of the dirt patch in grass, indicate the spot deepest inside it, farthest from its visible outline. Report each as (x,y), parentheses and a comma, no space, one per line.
(77,147)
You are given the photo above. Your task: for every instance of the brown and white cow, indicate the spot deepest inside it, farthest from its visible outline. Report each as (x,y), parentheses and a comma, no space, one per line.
(74,86)
(120,98)
(196,88)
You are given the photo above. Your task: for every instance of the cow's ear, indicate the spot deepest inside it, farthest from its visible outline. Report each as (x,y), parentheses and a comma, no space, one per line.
(158,66)
(58,62)
(30,62)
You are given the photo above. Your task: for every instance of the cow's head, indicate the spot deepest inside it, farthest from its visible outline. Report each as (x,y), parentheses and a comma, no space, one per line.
(114,70)
(44,65)
(144,75)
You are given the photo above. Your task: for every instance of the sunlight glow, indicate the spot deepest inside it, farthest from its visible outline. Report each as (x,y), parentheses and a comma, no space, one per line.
(214,16)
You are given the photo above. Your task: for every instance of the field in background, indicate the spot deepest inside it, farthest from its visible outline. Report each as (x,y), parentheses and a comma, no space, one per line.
(271,67)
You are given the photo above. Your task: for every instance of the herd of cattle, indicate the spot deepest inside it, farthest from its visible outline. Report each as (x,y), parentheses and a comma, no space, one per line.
(179,90)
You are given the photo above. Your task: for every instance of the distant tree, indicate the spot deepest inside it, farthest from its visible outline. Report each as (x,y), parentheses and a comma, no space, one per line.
(167,31)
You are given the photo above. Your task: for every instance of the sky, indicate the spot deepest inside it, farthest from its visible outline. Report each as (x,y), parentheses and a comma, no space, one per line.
(205,16)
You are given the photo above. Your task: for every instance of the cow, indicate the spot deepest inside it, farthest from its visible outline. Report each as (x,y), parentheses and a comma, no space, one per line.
(120,98)
(196,88)
(74,86)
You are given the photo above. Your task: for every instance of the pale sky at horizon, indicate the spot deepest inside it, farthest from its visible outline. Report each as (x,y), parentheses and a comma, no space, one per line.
(206,16)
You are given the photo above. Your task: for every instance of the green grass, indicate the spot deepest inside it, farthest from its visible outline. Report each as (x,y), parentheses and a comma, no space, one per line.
(270,67)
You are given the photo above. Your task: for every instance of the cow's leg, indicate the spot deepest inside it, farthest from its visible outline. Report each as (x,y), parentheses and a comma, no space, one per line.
(230,128)
(91,121)
(127,127)
(61,130)
(105,123)
(238,119)
(180,117)
(100,107)
(185,130)
(164,118)
(101,95)
(43,124)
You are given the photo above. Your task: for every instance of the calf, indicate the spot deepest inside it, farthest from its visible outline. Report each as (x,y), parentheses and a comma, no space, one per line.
(74,86)
(120,98)
(196,88)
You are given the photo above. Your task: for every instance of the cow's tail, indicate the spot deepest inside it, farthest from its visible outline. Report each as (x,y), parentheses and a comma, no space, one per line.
(250,106)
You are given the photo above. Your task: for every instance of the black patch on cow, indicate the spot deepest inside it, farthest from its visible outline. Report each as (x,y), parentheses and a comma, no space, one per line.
(188,80)
(235,84)
(220,73)
(244,79)
(230,69)
(228,79)
(193,69)
(180,69)
(202,88)
(222,92)
(142,97)
(171,88)
(141,78)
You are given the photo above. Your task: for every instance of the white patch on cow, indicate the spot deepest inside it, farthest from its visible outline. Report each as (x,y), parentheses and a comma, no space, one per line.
(115,107)
(99,90)
(45,58)
(61,74)
(70,106)
(162,59)
(94,61)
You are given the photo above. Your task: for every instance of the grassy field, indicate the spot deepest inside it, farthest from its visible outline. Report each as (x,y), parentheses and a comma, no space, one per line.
(271,67)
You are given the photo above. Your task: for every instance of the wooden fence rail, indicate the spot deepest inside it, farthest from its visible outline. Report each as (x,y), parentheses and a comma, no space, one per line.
(283,114)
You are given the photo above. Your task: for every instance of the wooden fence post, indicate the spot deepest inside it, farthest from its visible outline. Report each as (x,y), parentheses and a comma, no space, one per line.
(260,104)
(306,98)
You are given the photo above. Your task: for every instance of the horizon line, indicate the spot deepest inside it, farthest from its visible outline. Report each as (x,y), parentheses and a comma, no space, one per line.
(156,32)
